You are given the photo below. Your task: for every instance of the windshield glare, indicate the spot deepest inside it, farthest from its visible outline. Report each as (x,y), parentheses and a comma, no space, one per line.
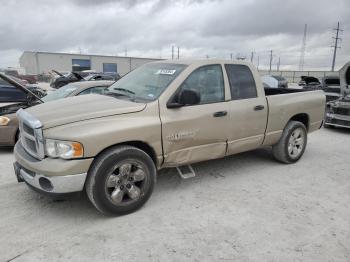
(60,93)
(148,81)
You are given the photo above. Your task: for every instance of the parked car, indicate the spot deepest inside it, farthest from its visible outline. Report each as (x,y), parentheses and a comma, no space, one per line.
(331,86)
(79,88)
(102,76)
(162,114)
(310,82)
(338,111)
(273,81)
(12,98)
(10,93)
(63,79)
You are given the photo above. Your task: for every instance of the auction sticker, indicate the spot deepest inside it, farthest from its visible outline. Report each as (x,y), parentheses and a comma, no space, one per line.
(165,72)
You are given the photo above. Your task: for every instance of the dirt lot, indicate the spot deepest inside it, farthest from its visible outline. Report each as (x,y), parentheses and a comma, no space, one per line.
(243,208)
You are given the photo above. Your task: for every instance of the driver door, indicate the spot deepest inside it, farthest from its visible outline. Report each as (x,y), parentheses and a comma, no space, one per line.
(197,132)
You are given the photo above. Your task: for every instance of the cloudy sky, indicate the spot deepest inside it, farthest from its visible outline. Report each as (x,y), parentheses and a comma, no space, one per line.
(201,28)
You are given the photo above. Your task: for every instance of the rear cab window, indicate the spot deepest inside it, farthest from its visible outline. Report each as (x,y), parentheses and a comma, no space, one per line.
(242,82)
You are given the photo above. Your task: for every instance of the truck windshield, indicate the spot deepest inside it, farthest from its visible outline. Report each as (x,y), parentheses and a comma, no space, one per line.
(148,81)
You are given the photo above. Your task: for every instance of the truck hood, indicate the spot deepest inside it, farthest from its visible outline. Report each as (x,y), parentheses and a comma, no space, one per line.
(79,108)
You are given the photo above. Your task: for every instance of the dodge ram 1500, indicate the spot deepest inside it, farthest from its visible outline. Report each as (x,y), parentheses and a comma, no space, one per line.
(163,114)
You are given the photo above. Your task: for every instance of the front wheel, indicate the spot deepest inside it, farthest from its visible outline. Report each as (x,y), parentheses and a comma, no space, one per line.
(292,143)
(121,180)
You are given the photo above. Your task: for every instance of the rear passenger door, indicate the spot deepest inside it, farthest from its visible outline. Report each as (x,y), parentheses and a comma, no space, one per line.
(247,110)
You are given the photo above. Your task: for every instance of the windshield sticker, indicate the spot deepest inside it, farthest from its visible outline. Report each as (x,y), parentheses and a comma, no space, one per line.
(150,95)
(165,72)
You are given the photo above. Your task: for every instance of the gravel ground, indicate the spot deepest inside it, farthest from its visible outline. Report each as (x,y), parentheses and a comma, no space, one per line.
(242,208)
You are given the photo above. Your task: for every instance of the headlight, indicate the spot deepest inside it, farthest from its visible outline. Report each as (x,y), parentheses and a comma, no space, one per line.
(4,121)
(63,149)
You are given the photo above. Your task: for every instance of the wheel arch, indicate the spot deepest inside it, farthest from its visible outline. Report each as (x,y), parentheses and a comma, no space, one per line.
(303,118)
(149,150)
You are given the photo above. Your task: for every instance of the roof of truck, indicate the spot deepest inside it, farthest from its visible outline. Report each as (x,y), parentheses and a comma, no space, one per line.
(203,61)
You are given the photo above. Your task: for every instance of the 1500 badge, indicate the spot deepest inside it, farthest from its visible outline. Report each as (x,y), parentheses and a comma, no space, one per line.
(181,135)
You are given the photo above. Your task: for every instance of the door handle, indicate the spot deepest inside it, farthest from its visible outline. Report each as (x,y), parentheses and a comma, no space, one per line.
(259,107)
(220,114)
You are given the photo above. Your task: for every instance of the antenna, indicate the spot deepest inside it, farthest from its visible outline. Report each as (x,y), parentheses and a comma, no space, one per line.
(271,54)
(302,51)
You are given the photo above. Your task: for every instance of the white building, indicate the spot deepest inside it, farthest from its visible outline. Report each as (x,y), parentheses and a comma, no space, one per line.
(43,62)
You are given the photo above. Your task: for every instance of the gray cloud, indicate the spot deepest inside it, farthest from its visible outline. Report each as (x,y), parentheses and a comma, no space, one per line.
(214,28)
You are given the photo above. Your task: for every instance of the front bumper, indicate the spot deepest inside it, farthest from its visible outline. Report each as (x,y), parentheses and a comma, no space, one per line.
(54,185)
(337,120)
(54,176)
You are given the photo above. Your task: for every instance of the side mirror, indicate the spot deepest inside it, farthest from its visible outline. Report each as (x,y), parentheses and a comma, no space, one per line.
(186,97)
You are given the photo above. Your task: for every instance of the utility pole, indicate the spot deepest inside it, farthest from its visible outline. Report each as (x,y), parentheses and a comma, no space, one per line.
(231,56)
(278,64)
(302,51)
(271,52)
(337,39)
(172,52)
(178,53)
(257,67)
(252,56)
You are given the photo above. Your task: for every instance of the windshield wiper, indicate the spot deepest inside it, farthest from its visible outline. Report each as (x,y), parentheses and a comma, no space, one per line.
(125,90)
(118,95)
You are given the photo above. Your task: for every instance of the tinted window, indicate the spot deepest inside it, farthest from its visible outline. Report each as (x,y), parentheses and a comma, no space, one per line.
(242,82)
(208,82)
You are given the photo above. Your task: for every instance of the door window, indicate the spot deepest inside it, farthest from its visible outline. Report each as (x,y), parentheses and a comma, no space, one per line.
(242,83)
(208,82)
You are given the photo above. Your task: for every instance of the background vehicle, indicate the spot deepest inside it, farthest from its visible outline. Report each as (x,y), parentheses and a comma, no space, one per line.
(11,93)
(310,82)
(272,81)
(62,80)
(79,88)
(162,114)
(331,86)
(338,111)
(12,98)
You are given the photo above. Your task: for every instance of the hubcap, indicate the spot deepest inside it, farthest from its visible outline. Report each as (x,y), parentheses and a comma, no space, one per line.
(125,183)
(296,143)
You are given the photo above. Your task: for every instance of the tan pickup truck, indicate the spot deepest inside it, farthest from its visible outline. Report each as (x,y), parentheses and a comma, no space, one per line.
(163,114)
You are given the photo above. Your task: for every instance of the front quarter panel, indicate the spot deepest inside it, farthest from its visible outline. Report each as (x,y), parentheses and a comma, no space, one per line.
(100,133)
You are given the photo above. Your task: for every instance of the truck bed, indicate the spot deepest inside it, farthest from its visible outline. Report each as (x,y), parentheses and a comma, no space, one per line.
(279,91)
(287,104)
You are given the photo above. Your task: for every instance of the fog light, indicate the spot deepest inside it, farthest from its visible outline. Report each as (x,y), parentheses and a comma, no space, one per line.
(45,184)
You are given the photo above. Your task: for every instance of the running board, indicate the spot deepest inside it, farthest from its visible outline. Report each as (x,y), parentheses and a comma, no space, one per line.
(186,172)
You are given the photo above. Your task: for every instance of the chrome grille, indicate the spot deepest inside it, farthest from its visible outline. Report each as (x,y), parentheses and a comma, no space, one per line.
(31,134)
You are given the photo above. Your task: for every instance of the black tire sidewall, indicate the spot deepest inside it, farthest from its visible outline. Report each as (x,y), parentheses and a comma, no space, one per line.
(286,141)
(102,171)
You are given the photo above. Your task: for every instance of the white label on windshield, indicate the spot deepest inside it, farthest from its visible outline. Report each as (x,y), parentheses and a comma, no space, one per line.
(165,72)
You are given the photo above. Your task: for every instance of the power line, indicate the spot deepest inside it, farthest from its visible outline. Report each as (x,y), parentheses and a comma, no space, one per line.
(270,59)
(303,48)
(337,39)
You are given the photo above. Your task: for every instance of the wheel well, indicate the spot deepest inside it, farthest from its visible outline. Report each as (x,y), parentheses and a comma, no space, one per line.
(303,118)
(140,145)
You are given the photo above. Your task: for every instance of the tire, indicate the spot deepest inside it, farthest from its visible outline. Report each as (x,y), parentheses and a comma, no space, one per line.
(121,180)
(291,146)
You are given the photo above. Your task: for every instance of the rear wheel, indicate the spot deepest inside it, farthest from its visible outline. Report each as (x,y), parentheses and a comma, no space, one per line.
(121,180)
(292,143)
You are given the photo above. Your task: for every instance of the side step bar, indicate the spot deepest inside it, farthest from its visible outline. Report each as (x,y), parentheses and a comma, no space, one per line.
(186,172)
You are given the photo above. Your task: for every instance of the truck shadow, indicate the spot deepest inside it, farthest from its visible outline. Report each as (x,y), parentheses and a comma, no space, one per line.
(78,205)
